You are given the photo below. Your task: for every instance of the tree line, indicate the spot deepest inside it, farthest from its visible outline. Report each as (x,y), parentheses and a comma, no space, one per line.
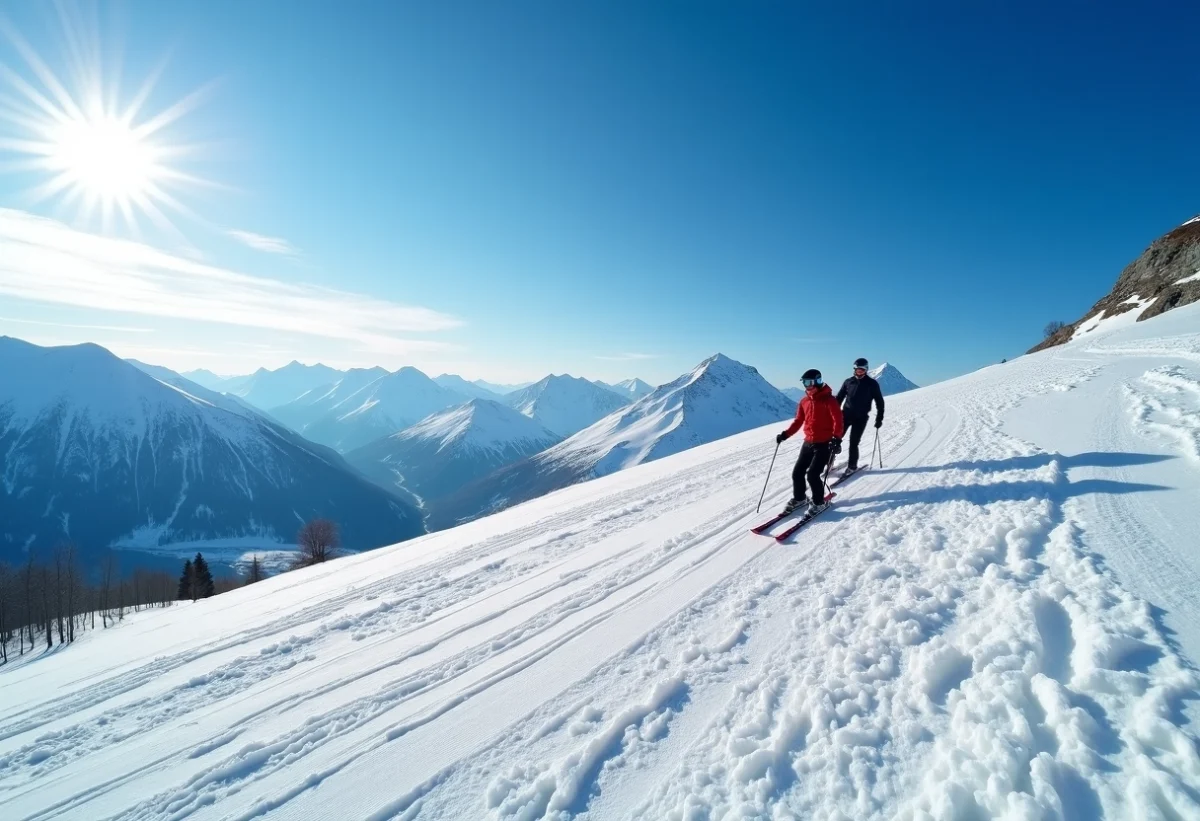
(47,603)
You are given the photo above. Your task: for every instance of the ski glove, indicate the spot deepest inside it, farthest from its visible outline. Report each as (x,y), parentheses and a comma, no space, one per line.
(836,445)
(878,423)
(780,438)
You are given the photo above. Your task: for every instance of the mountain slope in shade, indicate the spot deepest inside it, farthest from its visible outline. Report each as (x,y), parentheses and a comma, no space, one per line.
(719,398)
(890,380)
(266,389)
(385,406)
(214,382)
(97,451)
(314,404)
(565,404)
(452,448)
(1164,277)
(461,386)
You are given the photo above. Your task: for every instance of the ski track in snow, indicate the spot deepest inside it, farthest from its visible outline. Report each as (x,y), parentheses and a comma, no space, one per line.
(948,642)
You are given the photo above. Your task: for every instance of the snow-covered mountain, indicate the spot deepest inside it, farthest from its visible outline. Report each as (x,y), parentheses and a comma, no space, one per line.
(461,386)
(316,403)
(795,394)
(890,380)
(452,448)
(214,382)
(718,398)
(387,405)
(630,389)
(97,451)
(1164,277)
(1002,625)
(565,404)
(498,389)
(266,389)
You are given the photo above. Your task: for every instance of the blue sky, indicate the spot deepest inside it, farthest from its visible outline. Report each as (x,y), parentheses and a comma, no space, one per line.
(615,189)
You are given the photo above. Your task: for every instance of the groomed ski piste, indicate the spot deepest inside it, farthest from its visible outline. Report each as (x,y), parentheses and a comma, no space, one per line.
(1003,622)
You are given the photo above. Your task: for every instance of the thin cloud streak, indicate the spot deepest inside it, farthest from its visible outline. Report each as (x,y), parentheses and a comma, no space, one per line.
(261,242)
(115,328)
(43,260)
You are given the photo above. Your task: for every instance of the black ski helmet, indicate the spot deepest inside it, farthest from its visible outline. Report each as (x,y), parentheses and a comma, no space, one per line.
(860,363)
(813,374)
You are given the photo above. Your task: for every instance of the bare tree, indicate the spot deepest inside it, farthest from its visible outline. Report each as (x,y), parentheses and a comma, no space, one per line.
(1053,327)
(4,605)
(318,542)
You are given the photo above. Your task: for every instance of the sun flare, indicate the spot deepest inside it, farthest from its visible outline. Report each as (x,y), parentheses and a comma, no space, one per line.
(104,159)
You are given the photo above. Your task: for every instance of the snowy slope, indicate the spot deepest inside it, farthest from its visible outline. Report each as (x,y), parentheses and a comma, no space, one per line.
(631,389)
(890,380)
(1002,623)
(381,408)
(312,405)
(461,386)
(266,389)
(452,448)
(94,450)
(565,404)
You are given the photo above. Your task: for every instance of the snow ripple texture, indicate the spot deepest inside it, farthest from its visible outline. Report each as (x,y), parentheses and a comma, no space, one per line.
(961,637)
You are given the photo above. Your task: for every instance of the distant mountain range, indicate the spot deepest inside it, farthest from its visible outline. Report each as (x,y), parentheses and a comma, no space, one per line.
(452,448)
(889,377)
(719,398)
(104,453)
(630,389)
(565,404)
(1165,276)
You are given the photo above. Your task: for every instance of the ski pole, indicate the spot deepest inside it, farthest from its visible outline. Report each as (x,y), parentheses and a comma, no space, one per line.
(828,467)
(768,479)
(875,448)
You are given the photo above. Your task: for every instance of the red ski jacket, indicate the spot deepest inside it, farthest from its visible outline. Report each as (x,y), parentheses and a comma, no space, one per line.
(820,415)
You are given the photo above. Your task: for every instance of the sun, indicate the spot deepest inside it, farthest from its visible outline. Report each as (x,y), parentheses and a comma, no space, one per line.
(105,157)
(111,162)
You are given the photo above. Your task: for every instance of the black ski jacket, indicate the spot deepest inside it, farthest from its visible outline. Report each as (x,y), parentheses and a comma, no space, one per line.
(856,396)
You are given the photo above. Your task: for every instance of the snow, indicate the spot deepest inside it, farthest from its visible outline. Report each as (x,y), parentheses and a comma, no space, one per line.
(565,404)
(1193,278)
(482,424)
(631,389)
(1003,622)
(718,398)
(1099,323)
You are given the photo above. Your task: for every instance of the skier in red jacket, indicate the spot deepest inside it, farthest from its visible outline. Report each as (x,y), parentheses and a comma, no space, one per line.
(820,415)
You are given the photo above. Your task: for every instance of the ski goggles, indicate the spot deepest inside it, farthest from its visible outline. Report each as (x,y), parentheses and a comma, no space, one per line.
(859,368)
(811,383)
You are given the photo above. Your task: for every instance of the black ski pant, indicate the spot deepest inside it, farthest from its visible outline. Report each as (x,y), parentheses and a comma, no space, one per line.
(855,425)
(814,458)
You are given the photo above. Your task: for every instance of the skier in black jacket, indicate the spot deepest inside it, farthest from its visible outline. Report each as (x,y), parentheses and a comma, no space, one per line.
(856,395)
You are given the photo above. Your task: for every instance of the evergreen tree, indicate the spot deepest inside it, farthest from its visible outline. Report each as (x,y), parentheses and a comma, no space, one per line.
(187,582)
(205,586)
(256,572)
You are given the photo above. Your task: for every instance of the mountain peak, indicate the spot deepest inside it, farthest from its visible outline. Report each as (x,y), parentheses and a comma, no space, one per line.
(891,380)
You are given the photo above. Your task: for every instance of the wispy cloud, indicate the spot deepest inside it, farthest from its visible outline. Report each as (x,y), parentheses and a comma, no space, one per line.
(627,357)
(116,328)
(261,242)
(46,261)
